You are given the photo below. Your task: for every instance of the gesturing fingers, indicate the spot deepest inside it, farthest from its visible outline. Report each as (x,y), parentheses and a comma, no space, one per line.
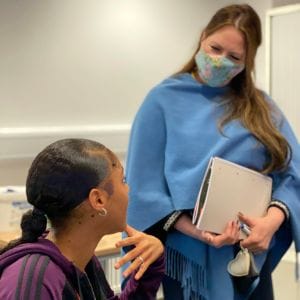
(140,263)
(130,230)
(146,250)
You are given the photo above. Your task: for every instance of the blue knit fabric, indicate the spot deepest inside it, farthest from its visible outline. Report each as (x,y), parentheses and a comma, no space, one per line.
(174,135)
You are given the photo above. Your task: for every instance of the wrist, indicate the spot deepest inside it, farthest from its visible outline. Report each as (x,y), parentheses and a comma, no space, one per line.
(184,224)
(275,216)
(280,205)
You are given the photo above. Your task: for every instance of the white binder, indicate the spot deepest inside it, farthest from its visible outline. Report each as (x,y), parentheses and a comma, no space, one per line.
(226,190)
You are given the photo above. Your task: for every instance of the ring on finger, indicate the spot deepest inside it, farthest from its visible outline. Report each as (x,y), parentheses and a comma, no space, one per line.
(141,259)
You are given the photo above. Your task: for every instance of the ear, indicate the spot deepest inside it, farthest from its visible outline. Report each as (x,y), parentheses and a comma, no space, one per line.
(98,198)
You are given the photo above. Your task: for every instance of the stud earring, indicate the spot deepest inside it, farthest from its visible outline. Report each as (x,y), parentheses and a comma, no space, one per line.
(102,212)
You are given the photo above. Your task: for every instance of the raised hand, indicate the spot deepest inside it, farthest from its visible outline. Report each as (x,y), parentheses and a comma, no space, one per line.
(147,249)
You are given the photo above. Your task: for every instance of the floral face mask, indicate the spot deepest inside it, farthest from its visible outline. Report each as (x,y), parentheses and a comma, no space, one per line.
(216,71)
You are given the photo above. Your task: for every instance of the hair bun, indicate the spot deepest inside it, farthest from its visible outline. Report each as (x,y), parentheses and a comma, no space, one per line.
(33,225)
(36,212)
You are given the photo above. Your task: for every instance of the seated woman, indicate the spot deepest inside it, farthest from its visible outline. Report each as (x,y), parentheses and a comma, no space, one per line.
(79,186)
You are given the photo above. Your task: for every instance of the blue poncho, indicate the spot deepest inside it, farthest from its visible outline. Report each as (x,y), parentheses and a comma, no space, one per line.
(174,135)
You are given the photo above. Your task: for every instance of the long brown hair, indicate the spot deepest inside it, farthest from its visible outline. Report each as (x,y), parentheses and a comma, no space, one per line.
(247,103)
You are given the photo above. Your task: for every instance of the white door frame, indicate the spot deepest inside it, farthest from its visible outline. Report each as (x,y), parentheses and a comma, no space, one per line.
(270,14)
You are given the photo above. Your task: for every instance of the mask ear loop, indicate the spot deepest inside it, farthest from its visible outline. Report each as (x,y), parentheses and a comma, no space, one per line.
(102,212)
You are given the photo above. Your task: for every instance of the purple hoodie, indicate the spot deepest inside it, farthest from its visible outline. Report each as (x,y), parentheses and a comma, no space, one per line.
(39,271)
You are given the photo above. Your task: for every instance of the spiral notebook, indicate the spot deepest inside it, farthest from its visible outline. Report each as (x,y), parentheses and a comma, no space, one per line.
(226,190)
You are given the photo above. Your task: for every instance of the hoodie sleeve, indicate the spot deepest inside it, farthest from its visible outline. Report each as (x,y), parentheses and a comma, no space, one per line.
(143,289)
(146,288)
(32,277)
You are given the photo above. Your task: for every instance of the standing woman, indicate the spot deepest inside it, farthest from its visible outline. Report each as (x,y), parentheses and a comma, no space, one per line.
(212,108)
(78,185)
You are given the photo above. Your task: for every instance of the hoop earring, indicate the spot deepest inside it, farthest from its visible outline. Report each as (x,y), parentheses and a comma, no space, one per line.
(102,212)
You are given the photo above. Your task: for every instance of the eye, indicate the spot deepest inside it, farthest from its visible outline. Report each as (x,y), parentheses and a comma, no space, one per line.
(215,48)
(235,57)
(124,180)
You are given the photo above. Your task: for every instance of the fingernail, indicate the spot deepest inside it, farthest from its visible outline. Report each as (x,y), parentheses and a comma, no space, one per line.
(136,277)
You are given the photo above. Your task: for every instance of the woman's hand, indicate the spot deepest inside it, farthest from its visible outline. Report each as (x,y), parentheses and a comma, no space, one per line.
(262,229)
(147,250)
(228,237)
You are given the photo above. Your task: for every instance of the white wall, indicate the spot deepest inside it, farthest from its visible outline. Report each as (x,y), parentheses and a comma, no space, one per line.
(284,2)
(81,68)
(284,63)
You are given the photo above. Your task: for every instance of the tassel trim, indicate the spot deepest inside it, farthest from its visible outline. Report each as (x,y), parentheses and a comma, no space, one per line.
(191,275)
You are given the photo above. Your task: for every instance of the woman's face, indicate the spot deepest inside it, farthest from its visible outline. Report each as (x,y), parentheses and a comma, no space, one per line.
(118,200)
(228,42)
